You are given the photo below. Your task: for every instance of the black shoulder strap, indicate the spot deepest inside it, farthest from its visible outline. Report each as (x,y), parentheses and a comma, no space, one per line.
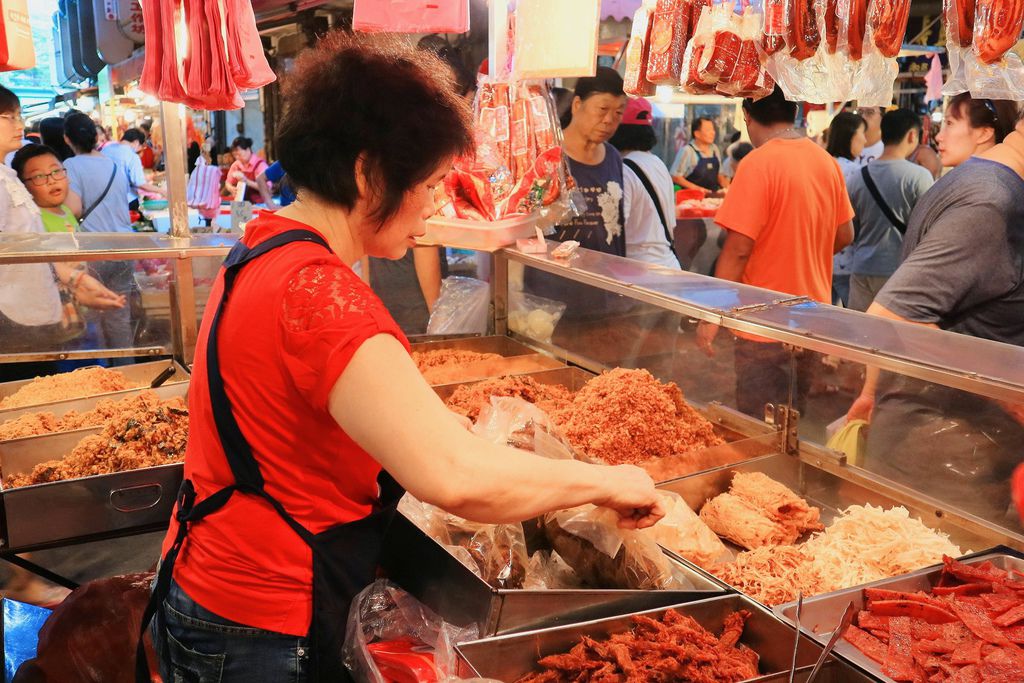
(106,190)
(646,182)
(880,201)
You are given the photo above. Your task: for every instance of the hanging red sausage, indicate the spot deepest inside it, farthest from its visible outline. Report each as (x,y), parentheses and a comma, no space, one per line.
(773,37)
(959,15)
(804,37)
(997,27)
(670,31)
(888,20)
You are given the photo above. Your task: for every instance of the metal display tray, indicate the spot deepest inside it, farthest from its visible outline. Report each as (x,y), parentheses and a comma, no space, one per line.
(424,568)
(507,658)
(521,359)
(825,490)
(821,613)
(96,506)
(739,446)
(140,372)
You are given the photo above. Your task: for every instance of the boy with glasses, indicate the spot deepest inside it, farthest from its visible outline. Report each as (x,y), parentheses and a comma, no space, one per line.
(47,182)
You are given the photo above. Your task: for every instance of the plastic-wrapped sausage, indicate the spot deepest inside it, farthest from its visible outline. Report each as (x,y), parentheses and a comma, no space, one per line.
(804,37)
(997,27)
(635,79)
(670,31)
(832,23)
(773,36)
(856,27)
(888,19)
(724,47)
(959,16)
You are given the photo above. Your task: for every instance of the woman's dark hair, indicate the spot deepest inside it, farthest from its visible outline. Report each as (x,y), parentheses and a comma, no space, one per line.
(9,102)
(772,109)
(81,132)
(741,150)
(358,97)
(841,131)
(51,132)
(22,156)
(999,115)
(630,137)
(697,123)
(241,142)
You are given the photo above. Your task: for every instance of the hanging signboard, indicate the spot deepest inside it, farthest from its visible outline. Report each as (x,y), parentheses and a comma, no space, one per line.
(113,46)
(16,50)
(67,51)
(543,46)
(128,15)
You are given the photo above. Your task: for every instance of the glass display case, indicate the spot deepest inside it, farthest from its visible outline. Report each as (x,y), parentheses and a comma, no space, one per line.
(947,427)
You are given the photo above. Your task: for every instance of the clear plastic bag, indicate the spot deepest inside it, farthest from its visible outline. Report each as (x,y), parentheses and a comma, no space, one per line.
(975,33)
(548,571)
(703,41)
(510,421)
(462,308)
(603,555)
(391,634)
(635,80)
(534,316)
(746,77)
(683,532)
(499,550)
(670,31)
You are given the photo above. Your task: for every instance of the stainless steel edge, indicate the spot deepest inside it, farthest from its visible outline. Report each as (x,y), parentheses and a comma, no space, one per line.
(991,387)
(140,351)
(177,248)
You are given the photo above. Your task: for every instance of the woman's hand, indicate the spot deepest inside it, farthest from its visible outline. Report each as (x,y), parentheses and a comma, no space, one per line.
(90,292)
(861,408)
(633,496)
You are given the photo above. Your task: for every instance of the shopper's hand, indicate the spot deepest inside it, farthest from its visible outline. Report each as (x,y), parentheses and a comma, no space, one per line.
(90,292)
(861,409)
(633,496)
(706,333)
(238,175)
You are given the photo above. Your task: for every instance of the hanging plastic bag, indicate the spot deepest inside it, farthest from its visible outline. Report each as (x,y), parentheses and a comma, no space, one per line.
(463,307)
(203,190)
(697,82)
(391,636)
(411,16)
(977,42)
(604,556)
(670,31)
(548,571)
(635,80)
(743,74)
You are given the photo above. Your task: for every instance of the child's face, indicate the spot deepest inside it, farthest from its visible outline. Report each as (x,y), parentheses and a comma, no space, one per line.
(46,179)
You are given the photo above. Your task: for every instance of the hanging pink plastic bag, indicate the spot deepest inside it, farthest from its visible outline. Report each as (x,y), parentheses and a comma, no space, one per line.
(203,190)
(411,16)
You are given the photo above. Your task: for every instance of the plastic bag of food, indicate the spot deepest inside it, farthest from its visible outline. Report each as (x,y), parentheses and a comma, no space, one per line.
(683,532)
(510,421)
(392,636)
(887,20)
(748,77)
(635,80)
(605,556)
(774,32)
(977,32)
(463,307)
(804,32)
(534,316)
(873,81)
(427,518)
(548,571)
(670,31)
(499,550)
(696,81)
(722,49)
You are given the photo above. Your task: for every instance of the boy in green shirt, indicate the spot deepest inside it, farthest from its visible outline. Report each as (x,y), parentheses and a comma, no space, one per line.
(47,181)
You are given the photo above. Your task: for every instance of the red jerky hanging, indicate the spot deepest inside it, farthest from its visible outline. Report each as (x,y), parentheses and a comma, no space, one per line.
(773,36)
(804,36)
(959,16)
(888,20)
(997,26)
(669,35)
(725,48)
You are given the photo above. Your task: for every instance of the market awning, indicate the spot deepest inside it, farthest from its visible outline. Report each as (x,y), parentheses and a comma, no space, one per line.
(619,10)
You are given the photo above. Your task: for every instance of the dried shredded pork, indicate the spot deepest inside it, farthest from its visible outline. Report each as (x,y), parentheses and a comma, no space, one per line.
(78,383)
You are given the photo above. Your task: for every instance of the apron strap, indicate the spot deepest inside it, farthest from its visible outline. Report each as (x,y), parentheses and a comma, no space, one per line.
(246,470)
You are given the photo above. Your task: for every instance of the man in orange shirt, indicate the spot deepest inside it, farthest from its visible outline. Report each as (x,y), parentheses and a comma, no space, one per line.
(786,213)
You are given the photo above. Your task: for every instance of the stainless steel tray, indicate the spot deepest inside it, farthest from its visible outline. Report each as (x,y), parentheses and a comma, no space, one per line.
(827,491)
(509,657)
(821,613)
(82,405)
(140,372)
(420,565)
(501,345)
(106,504)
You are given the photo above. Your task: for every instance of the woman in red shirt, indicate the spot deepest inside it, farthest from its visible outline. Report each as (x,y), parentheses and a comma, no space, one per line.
(308,417)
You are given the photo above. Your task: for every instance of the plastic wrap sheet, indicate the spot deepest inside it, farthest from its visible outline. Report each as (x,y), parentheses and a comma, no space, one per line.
(21,634)
(392,636)
(534,316)
(462,308)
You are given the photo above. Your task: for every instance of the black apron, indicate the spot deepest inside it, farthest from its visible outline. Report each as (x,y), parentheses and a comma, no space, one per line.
(705,173)
(344,556)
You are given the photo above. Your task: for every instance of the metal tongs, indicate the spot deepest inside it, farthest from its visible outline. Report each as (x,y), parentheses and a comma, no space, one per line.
(796,642)
(844,624)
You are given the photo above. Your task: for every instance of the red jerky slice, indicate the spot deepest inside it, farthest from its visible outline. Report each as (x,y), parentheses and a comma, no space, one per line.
(978,621)
(929,613)
(865,642)
(899,661)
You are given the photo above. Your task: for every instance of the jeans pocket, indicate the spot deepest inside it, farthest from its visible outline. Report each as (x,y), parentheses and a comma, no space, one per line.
(189,666)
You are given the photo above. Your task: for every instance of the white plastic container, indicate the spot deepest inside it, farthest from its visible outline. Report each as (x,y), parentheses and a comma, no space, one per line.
(478,235)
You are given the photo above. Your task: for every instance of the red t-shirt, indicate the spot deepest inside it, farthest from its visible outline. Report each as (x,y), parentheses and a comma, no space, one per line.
(296,317)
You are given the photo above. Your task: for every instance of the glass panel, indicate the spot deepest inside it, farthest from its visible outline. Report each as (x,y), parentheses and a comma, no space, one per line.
(50,320)
(204,272)
(610,330)
(951,445)
(13,245)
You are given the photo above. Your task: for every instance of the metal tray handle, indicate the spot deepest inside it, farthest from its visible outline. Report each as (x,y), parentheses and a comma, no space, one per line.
(135,498)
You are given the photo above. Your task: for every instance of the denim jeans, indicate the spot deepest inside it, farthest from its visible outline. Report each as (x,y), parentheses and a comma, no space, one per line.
(205,648)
